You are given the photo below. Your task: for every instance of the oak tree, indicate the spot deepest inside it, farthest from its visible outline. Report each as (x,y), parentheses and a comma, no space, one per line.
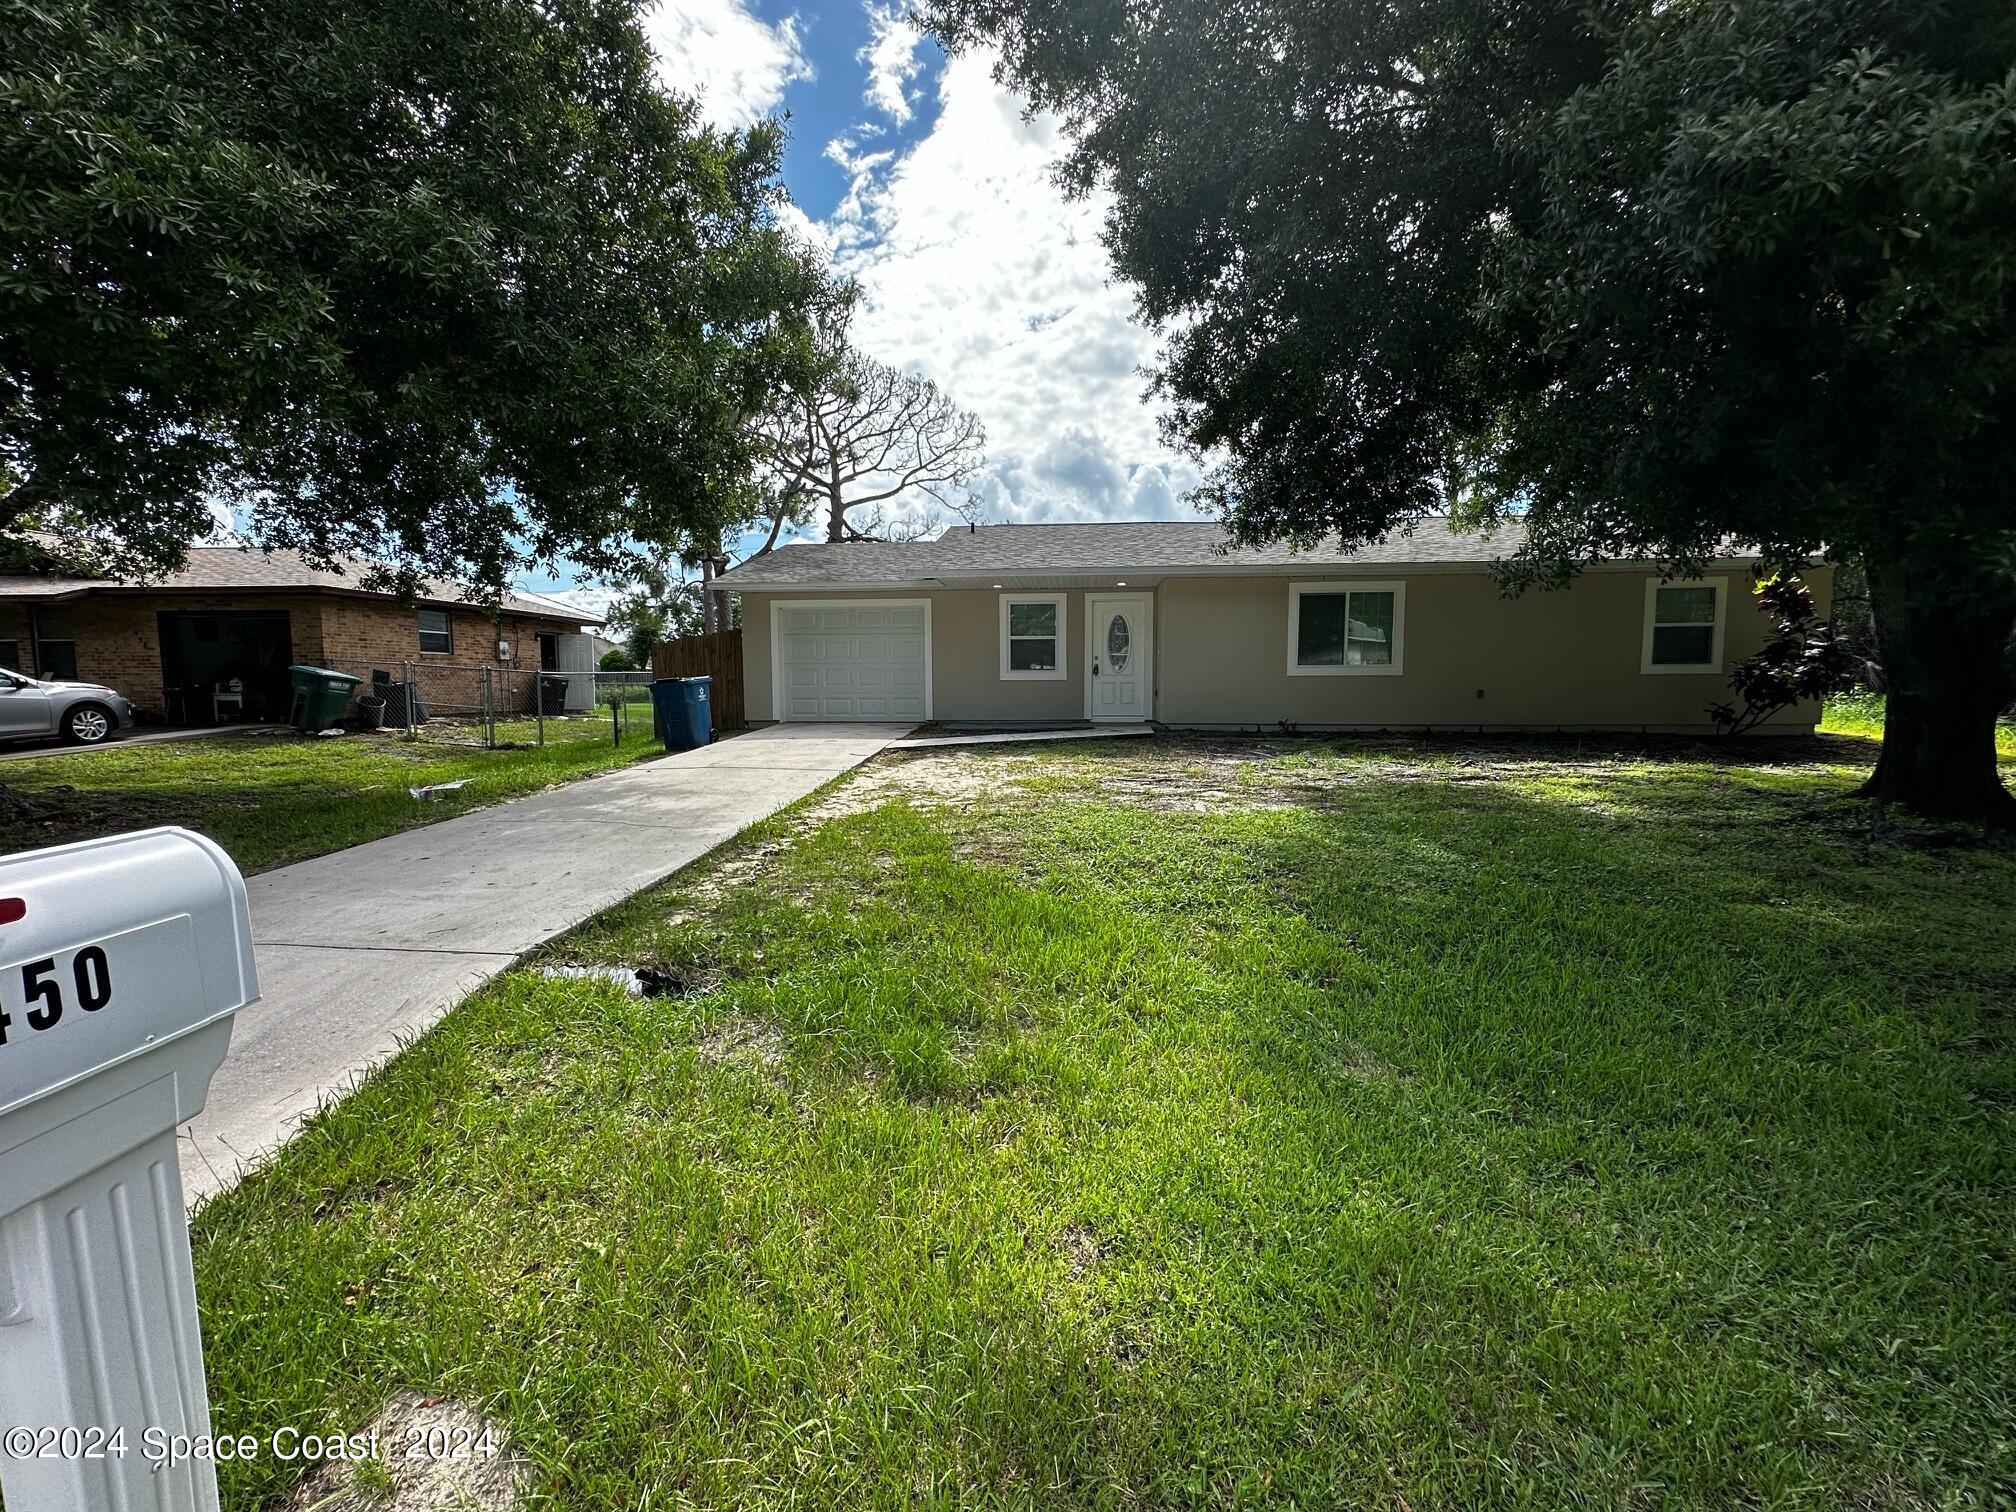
(1656,275)
(455,284)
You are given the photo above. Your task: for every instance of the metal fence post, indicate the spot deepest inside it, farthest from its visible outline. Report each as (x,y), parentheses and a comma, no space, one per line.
(483,709)
(412,700)
(539,704)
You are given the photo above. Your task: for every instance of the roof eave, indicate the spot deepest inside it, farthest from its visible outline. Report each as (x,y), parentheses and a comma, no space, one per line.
(1141,576)
(278,590)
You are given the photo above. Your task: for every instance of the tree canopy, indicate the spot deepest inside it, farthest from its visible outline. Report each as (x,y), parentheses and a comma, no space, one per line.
(451,285)
(1655,276)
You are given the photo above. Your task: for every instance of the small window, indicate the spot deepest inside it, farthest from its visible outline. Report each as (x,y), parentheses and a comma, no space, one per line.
(55,644)
(434,632)
(1683,626)
(1345,629)
(1032,636)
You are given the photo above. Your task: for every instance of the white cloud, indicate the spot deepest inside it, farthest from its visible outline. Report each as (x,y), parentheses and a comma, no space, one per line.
(978,272)
(591,599)
(891,56)
(738,64)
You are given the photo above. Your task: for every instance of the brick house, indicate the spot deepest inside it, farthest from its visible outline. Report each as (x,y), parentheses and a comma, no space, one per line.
(233,619)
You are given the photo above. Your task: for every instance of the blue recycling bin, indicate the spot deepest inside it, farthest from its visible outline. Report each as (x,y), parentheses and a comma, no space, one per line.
(682,714)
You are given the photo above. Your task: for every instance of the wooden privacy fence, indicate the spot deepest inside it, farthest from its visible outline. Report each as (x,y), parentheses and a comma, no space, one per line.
(718,656)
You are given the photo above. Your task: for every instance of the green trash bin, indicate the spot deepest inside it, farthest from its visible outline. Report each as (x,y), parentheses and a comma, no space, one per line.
(320,696)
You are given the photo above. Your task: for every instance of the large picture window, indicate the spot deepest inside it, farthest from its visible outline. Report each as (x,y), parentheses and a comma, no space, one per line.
(435,634)
(1032,636)
(1683,626)
(1345,629)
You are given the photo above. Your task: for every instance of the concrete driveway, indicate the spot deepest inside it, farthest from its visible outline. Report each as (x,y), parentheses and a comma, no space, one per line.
(361,950)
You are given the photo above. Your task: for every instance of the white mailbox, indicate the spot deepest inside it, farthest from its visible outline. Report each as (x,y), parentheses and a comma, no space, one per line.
(121,964)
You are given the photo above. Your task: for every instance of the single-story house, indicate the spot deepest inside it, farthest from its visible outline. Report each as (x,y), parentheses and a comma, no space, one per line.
(212,642)
(1158,621)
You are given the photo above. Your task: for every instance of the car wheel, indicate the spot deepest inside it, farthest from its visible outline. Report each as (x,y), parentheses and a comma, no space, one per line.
(88,724)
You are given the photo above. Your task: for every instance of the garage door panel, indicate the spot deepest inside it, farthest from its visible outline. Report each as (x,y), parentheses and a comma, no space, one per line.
(853,662)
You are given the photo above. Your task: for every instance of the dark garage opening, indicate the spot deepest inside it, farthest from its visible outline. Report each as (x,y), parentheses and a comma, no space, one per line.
(221,667)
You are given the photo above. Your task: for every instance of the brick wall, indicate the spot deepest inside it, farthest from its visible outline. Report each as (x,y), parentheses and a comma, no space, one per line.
(361,630)
(119,637)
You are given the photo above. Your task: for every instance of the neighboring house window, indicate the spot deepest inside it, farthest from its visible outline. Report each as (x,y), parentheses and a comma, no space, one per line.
(10,640)
(1683,626)
(434,633)
(1345,629)
(1032,636)
(55,645)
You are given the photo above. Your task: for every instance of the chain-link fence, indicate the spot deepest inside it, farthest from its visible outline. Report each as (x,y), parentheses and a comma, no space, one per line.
(444,703)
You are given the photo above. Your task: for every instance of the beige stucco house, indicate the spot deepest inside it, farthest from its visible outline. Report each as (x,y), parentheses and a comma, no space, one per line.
(1050,624)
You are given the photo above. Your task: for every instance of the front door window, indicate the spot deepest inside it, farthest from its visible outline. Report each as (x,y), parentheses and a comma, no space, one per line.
(1116,644)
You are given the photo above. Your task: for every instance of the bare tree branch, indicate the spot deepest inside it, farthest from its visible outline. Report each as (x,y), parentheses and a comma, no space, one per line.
(869,434)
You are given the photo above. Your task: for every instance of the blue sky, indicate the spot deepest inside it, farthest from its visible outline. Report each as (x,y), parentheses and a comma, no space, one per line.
(919,177)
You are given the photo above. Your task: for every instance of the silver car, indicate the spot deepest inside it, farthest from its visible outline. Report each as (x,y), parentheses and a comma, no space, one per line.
(82,713)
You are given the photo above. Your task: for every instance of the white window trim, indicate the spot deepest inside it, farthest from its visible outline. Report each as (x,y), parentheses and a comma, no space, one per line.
(779,605)
(1693,669)
(1394,586)
(1056,602)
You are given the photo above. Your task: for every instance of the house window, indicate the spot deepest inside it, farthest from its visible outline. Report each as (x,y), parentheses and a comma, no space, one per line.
(1032,636)
(10,640)
(1683,626)
(1345,629)
(434,632)
(55,645)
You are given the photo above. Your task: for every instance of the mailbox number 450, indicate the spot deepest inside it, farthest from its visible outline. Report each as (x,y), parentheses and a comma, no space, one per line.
(90,973)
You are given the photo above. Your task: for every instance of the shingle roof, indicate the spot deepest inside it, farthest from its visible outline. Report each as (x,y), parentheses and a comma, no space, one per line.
(239,569)
(1120,546)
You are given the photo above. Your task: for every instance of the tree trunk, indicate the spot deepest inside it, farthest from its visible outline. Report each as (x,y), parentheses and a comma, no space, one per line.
(1946,659)
(836,508)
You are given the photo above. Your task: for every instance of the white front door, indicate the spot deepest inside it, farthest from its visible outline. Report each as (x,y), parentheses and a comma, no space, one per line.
(1119,644)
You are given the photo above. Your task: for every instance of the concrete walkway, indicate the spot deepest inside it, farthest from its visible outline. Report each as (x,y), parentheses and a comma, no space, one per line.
(360,951)
(1022,737)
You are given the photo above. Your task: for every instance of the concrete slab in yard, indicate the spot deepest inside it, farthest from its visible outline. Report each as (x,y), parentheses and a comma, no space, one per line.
(1006,737)
(362,950)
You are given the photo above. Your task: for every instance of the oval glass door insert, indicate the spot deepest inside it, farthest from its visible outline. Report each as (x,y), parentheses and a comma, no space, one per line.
(1116,643)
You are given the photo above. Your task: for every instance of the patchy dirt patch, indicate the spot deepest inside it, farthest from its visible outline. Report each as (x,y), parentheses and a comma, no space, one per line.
(741,1040)
(435,1454)
(1082,1249)
(955,778)
(1360,1064)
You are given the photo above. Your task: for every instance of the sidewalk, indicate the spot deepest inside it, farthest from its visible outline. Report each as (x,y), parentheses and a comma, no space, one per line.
(364,949)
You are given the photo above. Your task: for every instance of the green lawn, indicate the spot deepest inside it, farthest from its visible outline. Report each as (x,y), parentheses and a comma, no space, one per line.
(270,799)
(1394,1124)
(1861,714)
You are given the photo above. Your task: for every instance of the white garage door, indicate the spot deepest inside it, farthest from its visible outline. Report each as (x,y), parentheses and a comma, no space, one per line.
(858,661)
